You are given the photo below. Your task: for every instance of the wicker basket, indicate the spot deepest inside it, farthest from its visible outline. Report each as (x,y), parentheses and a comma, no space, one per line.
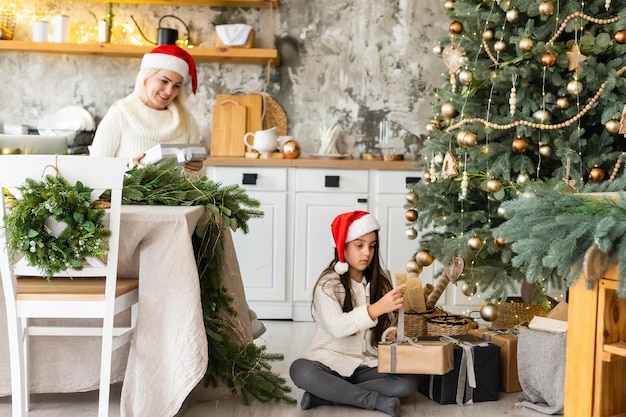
(446,324)
(7,25)
(514,312)
(415,323)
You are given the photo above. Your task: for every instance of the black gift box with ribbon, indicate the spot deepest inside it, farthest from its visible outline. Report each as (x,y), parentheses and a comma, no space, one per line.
(475,377)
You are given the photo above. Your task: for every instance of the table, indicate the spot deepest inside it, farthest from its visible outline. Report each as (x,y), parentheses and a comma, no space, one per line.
(596,349)
(168,354)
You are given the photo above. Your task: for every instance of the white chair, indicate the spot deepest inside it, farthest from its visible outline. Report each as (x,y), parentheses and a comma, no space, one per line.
(98,295)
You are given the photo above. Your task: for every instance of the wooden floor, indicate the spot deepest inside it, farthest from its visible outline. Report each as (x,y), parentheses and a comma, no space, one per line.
(291,339)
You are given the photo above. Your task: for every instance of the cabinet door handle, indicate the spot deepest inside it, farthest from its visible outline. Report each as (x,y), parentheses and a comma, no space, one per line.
(331,181)
(412,180)
(361,200)
(249,179)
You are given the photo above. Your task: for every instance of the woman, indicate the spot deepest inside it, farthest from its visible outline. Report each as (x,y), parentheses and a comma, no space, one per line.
(352,304)
(154,113)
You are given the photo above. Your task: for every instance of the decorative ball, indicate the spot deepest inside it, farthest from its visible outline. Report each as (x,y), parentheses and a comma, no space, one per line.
(456,27)
(596,174)
(464,60)
(545,150)
(522,178)
(501,242)
(448,110)
(519,145)
(466,76)
(466,139)
(493,185)
(620,36)
(548,59)
(468,290)
(291,149)
(542,116)
(411,198)
(500,46)
(475,243)
(546,8)
(526,44)
(488,35)
(489,312)
(449,5)
(438,159)
(424,258)
(426,178)
(411,233)
(501,212)
(411,215)
(512,15)
(574,87)
(438,49)
(563,103)
(612,126)
(413,266)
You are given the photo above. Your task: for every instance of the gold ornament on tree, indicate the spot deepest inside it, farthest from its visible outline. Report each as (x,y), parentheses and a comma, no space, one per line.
(596,174)
(489,312)
(612,126)
(526,44)
(411,198)
(493,185)
(548,59)
(620,37)
(424,258)
(475,243)
(468,289)
(546,8)
(411,215)
(411,233)
(575,57)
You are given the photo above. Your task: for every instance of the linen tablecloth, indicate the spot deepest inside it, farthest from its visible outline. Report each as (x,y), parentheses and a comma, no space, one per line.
(168,354)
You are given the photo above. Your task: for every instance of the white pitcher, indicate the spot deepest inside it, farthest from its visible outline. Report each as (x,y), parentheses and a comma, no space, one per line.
(264,140)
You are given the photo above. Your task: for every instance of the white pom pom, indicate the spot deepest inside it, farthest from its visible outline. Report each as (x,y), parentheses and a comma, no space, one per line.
(341,267)
(193,99)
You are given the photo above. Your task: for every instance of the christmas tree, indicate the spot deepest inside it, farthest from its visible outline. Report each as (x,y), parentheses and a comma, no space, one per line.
(533,93)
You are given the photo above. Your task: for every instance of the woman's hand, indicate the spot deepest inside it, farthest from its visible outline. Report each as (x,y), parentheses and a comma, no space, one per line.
(137,158)
(194,165)
(391,301)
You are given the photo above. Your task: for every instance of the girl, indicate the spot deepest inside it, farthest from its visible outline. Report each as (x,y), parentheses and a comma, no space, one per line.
(352,304)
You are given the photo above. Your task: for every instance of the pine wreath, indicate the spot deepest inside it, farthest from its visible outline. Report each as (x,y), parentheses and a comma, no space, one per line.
(54,225)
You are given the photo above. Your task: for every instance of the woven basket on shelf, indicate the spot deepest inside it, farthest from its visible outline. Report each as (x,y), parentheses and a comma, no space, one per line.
(447,324)
(514,312)
(7,25)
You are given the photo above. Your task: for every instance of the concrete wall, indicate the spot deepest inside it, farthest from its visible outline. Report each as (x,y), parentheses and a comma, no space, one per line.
(342,61)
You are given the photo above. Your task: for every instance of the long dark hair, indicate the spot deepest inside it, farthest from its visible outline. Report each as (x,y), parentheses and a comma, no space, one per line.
(380,284)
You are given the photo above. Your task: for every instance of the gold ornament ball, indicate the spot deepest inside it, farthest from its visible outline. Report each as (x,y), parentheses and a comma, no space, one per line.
(612,126)
(456,27)
(489,312)
(468,290)
(512,15)
(545,151)
(291,149)
(501,212)
(563,103)
(411,215)
(493,185)
(424,258)
(546,8)
(438,49)
(522,178)
(548,59)
(448,110)
(448,5)
(526,44)
(596,174)
(574,87)
(488,35)
(413,266)
(466,76)
(438,159)
(411,198)
(519,145)
(620,36)
(426,177)
(500,46)
(542,116)
(501,242)
(411,233)
(466,139)
(475,243)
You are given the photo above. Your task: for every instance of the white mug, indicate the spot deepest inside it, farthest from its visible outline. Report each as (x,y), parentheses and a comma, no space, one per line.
(40,31)
(61,28)
(264,140)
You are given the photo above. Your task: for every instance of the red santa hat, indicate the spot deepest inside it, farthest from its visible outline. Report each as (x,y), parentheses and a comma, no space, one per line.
(172,58)
(348,227)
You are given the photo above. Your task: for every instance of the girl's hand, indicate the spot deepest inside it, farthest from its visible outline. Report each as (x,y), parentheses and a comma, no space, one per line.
(194,165)
(391,301)
(392,335)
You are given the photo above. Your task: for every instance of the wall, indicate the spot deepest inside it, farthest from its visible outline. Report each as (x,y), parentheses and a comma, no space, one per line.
(346,62)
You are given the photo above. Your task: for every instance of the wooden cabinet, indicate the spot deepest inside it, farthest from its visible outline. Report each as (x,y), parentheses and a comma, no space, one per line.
(596,349)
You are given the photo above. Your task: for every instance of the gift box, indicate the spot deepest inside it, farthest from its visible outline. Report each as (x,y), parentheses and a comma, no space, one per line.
(410,357)
(507,341)
(475,377)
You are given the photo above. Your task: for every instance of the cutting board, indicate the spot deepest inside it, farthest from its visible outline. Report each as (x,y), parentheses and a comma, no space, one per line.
(229,128)
(254,108)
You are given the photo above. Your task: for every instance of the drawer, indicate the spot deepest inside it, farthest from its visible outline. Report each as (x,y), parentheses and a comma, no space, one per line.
(251,178)
(332,180)
(394,182)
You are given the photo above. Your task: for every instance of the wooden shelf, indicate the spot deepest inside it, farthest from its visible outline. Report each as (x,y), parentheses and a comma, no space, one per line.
(251,56)
(219,3)
(618,349)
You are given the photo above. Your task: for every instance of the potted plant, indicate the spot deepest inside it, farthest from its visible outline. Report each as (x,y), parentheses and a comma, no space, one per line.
(233,35)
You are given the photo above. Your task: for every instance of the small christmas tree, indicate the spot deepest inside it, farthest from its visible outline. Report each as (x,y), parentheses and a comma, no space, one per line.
(534,92)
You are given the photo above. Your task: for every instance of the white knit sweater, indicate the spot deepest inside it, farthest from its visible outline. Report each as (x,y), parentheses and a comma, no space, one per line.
(341,340)
(130,128)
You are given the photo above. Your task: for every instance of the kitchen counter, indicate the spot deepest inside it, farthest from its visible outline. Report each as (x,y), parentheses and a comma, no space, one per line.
(304,162)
